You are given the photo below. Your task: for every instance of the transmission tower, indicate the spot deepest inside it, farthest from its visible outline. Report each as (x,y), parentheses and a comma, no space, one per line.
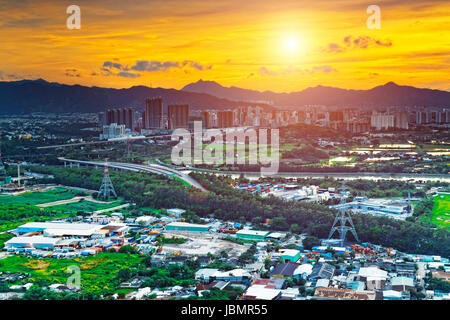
(107,188)
(343,222)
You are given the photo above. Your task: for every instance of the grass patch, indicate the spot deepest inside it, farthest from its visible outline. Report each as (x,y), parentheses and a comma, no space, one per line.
(98,273)
(441,210)
(84,206)
(37,197)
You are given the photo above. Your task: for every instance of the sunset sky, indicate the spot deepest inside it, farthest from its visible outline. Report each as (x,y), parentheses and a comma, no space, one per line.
(277,45)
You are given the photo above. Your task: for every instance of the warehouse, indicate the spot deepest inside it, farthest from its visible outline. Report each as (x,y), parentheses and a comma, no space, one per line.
(57,229)
(252,235)
(183,226)
(291,255)
(37,242)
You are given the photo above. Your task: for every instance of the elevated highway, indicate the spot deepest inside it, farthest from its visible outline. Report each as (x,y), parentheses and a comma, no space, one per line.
(151,168)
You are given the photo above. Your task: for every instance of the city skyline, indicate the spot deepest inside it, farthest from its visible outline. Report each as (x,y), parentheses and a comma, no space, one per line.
(282,47)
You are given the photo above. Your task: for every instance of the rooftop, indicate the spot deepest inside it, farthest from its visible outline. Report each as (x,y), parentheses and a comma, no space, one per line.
(253,232)
(261,292)
(285,269)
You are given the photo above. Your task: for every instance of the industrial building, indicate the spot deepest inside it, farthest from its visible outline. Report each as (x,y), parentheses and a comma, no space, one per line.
(252,235)
(291,255)
(234,276)
(378,206)
(56,229)
(183,226)
(37,242)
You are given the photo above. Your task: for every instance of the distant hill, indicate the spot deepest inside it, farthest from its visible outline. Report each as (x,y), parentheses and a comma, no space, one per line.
(389,94)
(27,96)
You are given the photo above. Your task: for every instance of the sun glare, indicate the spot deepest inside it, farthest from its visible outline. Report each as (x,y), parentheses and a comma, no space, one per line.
(291,44)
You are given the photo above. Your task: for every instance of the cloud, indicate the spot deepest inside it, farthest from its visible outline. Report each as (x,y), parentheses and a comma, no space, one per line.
(72,73)
(334,47)
(126,74)
(156,66)
(186,66)
(9,76)
(324,69)
(364,42)
(266,72)
(109,64)
(361,42)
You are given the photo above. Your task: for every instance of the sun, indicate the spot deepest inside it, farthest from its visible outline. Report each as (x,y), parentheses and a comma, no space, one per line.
(291,44)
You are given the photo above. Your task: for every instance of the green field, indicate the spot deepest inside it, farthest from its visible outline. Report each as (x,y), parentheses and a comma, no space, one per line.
(441,210)
(84,206)
(98,273)
(20,209)
(33,198)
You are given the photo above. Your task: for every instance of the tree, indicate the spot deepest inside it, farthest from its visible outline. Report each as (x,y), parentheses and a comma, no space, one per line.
(147,261)
(124,274)
(295,228)
(127,249)
(311,241)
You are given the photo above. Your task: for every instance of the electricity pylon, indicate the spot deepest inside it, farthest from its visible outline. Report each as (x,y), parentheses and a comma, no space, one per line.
(343,223)
(107,188)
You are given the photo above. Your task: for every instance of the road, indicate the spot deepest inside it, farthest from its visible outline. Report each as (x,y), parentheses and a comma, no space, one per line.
(151,168)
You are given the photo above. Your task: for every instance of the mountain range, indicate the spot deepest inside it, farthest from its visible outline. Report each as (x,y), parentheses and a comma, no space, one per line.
(389,94)
(27,96)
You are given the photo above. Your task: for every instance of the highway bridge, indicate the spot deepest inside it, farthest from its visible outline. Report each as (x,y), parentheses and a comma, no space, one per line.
(87,143)
(151,168)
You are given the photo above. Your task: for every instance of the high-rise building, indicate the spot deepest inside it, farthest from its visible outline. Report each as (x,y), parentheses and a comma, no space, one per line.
(129,118)
(336,115)
(154,113)
(113,130)
(401,120)
(422,117)
(178,116)
(381,121)
(123,116)
(225,119)
(207,119)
